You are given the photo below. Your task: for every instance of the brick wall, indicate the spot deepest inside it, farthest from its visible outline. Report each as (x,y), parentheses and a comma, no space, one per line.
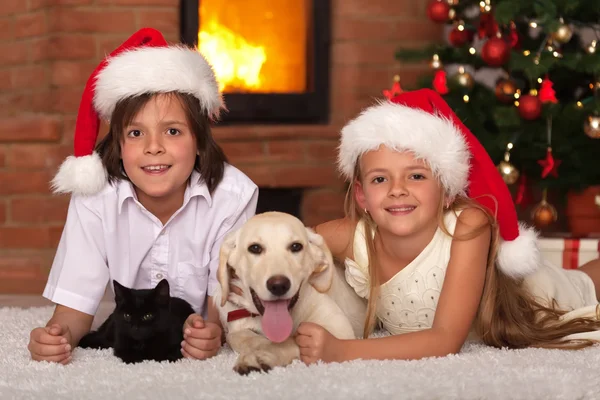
(48,48)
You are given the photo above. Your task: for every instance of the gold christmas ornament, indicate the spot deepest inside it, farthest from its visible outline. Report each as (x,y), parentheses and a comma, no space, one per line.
(505,90)
(591,126)
(563,34)
(510,174)
(544,213)
(435,62)
(591,48)
(464,79)
(453,2)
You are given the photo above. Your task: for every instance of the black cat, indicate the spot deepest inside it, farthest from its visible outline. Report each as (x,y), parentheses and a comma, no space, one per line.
(147,324)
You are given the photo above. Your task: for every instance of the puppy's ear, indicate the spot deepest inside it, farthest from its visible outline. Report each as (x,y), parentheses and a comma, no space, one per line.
(227,252)
(323,269)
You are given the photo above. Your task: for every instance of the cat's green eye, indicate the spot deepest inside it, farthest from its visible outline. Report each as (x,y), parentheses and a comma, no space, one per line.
(127,317)
(147,317)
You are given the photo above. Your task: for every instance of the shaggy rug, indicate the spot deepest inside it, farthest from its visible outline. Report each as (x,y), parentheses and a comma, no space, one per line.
(478,372)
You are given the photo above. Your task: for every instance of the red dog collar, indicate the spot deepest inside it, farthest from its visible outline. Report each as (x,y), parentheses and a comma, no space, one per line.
(239,314)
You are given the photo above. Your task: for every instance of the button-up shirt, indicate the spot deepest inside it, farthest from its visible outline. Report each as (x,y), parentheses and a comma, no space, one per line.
(110,235)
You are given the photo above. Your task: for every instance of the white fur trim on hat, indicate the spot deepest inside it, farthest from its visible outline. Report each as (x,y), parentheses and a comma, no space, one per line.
(157,70)
(430,137)
(80,175)
(520,257)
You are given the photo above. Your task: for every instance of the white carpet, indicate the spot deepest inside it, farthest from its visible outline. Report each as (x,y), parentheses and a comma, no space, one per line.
(477,373)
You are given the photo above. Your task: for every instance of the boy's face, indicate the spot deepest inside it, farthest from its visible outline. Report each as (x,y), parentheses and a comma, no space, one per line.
(159,150)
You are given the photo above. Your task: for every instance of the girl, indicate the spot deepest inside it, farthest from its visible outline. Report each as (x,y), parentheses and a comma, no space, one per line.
(432,262)
(153,201)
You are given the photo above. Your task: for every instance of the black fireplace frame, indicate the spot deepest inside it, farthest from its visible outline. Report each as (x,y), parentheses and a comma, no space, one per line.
(311,107)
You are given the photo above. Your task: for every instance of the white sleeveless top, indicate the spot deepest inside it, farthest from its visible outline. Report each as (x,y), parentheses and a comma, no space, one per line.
(407,302)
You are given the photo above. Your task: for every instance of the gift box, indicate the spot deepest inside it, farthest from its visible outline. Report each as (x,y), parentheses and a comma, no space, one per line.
(569,253)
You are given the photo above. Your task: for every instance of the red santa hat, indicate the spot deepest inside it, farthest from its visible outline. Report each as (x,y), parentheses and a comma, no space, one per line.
(144,63)
(421,122)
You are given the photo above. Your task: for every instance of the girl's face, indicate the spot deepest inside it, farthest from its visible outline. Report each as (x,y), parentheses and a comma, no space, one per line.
(399,192)
(159,150)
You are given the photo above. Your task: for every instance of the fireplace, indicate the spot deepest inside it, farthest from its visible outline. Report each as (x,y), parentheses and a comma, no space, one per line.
(271,58)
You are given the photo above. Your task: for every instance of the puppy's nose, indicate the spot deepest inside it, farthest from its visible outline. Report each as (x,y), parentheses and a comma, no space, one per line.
(278,285)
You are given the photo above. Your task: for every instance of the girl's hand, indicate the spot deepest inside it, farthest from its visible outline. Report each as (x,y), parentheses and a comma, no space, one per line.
(316,343)
(201,339)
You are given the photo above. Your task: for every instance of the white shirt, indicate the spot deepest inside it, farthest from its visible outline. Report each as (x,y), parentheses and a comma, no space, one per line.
(112,236)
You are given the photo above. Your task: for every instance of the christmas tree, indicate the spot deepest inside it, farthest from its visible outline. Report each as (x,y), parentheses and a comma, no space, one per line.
(537,108)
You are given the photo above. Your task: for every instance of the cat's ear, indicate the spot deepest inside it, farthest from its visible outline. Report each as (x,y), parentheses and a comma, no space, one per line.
(163,292)
(228,248)
(120,292)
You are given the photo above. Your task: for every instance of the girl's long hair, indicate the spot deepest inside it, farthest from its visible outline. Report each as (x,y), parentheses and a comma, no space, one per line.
(508,315)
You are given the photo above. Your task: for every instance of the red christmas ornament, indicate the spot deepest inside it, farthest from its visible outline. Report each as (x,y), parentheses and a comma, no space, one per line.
(530,107)
(438,11)
(549,164)
(524,196)
(459,37)
(395,90)
(513,37)
(487,26)
(495,52)
(547,94)
(440,82)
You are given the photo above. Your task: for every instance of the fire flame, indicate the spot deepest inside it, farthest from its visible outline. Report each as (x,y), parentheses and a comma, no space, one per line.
(237,63)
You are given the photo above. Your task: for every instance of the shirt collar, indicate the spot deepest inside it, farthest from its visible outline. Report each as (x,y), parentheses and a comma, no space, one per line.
(125,191)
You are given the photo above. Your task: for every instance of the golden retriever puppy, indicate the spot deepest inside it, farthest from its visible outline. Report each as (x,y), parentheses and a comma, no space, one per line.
(287,276)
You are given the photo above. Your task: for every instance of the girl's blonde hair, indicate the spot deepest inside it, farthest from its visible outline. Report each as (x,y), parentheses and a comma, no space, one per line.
(508,315)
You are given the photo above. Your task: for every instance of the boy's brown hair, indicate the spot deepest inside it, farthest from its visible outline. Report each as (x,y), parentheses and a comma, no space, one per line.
(210,161)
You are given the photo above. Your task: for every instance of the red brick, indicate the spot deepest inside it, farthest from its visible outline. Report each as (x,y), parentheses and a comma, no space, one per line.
(71,72)
(269,132)
(2,212)
(23,273)
(322,151)
(13,53)
(88,21)
(72,47)
(7,28)
(286,151)
(41,101)
(29,25)
(38,4)
(371,80)
(355,53)
(166,21)
(30,76)
(305,176)
(37,156)
(24,238)
(54,233)
(14,103)
(173,3)
(243,152)
(39,49)
(37,210)
(321,205)
(3,152)
(73,2)
(372,29)
(24,128)
(24,182)
(66,99)
(5,81)
(383,8)
(8,7)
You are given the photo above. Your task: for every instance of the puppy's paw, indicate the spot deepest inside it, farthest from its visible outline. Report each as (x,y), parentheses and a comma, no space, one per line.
(260,361)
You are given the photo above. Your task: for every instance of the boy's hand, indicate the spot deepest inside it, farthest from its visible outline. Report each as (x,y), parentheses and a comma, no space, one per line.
(51,343)
(201,339)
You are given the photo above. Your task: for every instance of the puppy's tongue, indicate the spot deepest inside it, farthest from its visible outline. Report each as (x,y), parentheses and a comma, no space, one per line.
(277,322)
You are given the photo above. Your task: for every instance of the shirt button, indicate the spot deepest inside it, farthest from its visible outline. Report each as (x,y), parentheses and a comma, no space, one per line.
(159,276)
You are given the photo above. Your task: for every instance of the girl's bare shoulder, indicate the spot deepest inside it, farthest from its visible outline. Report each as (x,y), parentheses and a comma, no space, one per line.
(338,235)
